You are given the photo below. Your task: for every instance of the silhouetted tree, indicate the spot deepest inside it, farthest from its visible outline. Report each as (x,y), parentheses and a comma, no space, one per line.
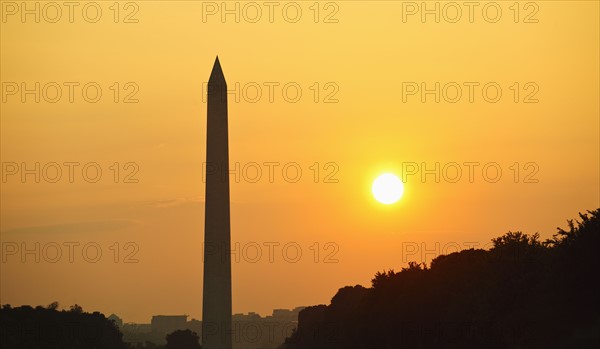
(76,308)
(521,293)
(45,327)
(147,345)
(183,339)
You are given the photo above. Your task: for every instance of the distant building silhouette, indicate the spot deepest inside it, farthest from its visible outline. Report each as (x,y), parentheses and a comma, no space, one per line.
(249,331)
(117,320)
(164,324)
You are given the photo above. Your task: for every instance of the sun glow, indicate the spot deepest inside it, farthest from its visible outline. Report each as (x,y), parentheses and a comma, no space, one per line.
(387,189)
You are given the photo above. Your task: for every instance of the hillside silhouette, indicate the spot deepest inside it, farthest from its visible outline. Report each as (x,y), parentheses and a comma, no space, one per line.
(522,293)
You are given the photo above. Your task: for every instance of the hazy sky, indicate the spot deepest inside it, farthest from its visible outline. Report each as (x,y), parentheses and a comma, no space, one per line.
(340,100)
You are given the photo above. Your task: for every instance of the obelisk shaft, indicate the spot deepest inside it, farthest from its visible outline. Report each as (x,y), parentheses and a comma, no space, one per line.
(216,304)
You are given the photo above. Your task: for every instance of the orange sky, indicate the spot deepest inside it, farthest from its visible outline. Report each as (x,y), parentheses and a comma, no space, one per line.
(359,56)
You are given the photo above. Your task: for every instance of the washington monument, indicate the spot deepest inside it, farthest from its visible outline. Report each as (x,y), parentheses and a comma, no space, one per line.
(216,303)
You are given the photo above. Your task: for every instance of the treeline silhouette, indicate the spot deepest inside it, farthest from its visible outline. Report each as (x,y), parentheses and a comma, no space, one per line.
(178,339)
(48,328)
(522,293)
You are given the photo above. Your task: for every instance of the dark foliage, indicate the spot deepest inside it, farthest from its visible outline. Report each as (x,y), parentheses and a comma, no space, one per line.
(183,339)
(522,293)
(47,328)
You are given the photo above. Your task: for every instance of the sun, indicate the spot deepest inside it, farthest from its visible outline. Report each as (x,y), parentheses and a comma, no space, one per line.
(387,188)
